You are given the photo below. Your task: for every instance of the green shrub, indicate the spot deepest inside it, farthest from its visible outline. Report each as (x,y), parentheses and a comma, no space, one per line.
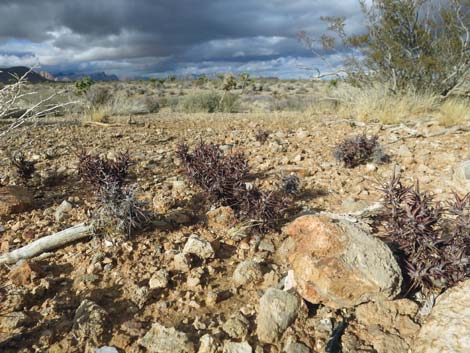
(209,102)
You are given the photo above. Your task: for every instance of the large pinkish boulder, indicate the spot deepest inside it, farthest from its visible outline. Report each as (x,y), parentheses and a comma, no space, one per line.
(338,264)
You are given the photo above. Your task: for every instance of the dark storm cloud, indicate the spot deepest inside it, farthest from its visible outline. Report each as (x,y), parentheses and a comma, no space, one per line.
(142,35)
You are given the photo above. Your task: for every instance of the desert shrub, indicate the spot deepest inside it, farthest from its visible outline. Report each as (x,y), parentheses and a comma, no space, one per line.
(209,102)
(24,168)
(421,45)
(82,86)
(435,241)
(117,208)
(224,180)
(358,150)
(98,96)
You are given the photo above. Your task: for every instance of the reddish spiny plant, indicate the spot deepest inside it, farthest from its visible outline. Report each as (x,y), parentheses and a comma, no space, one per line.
(435,247)
(103,173)
(223,179)
(359,150)
(220,176)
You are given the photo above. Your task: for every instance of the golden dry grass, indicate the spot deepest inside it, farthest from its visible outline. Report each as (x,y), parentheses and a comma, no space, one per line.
(454,111)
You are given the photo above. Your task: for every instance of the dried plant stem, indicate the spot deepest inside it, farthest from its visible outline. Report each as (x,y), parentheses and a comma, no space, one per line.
(47,243)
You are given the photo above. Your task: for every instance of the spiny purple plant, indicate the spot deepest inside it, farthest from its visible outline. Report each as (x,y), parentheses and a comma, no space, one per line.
(103,173)
(435,241)
(223,177)
(117,208)
(358,150)
(220,176)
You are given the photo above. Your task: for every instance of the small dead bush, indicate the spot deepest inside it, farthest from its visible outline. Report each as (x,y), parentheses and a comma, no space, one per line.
(435,241)
(358,150)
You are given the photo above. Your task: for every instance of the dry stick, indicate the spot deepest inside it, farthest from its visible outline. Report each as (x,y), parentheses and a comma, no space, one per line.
(47,243)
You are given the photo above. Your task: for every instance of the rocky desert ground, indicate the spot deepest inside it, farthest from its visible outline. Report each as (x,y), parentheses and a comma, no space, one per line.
(196,279)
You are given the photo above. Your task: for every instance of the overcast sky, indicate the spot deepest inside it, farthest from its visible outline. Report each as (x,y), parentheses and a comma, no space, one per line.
(147,37)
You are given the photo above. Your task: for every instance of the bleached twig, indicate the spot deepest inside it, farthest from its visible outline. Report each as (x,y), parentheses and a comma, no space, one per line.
(47,243)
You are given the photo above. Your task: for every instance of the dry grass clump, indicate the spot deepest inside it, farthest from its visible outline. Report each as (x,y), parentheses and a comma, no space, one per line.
(224,179)
(359,150)
(378,103)
(117,208)
(454,111)
(435,241)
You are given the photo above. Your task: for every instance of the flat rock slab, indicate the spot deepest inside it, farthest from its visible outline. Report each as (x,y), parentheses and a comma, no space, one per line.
(338,264)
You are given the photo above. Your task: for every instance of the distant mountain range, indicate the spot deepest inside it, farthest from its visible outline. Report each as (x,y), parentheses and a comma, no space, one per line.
(44,76)
(8,74)
(73,76)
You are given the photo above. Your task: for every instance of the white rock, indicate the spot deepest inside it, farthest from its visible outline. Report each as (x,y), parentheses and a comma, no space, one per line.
(106,350)
(247,272)
(447,329)
(207,344)
(277,311)
(159,279)
(62,210)
(233,347)
(160,339)
(199,247)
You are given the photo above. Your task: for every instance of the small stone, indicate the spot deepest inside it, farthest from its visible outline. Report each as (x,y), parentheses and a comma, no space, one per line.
(208,344)
(62,210)
(234,347)
(181,263)
(266,245)
(236,327)
(277,310)
(295,347)
(160,339)
(199,247)
(140,295)
(21,274)
(90,322)
(15,199)
(461,177)
(221,218)
(247,272)
(106,350)
(371,167)
(159,279)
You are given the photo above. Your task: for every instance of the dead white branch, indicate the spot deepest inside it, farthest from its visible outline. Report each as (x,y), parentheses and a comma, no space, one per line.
(11,94)
(47,243)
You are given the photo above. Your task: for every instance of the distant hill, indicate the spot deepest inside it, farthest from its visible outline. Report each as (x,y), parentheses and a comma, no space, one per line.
(95,76)
(33,77)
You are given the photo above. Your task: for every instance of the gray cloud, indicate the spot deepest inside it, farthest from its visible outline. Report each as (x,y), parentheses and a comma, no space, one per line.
(148,36)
